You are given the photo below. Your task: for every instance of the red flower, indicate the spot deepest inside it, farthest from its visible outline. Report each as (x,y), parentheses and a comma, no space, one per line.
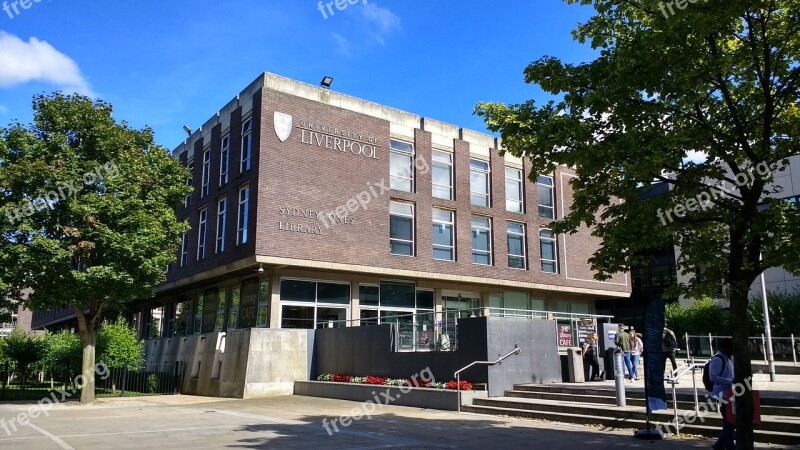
(340,378)
(375,380)
(465,385)
(416,382)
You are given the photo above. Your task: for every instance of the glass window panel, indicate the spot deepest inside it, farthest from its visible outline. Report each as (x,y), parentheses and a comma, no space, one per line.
(425,299)
(262,316)
(369,317)
(331,317)
(333,293)
(298,291)
(301,317)
(401,228)
(368,295)
(401,208)
(397,295)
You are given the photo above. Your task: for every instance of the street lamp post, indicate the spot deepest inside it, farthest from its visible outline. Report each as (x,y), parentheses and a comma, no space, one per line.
(767,330)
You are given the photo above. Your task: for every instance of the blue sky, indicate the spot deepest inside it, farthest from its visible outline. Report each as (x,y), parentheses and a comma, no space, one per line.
(164,64)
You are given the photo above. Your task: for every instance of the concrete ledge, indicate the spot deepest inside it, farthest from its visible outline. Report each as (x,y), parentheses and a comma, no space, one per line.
(443,399)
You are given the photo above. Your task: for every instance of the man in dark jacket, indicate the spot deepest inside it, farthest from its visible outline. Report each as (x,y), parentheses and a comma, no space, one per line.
(668,346)
(623,342)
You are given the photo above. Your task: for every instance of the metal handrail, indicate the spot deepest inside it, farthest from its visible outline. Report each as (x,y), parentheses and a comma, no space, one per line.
(690,365)
(457,373)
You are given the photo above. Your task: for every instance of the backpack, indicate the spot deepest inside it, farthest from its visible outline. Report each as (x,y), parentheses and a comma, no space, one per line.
(707,383)
(670,342)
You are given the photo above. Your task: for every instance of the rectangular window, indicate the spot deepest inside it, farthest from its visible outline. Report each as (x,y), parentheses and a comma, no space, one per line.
(401,166)
(201,234)
(401,228)
(184,248)
(514,192)
(224,160)
(221,304)
(247,146)
(263,303)
(244,214)
(516,245)
(443,236)
(547,243)
(545,187)
(188,200)
(368,295)
(479,182)
(206,179)
(222,225)
(198,314)
(481,240)
(442,174)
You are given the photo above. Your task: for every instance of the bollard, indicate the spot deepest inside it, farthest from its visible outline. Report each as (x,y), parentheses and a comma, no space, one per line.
(619,377)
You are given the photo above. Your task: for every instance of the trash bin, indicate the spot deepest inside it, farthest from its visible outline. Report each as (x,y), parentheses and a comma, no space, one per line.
(575,365)
(608,364)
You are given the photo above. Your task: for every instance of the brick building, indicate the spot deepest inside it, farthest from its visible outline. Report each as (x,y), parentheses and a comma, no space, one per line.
(315,209)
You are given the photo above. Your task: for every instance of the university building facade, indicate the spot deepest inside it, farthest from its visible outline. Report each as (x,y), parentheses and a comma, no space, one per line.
(313,209)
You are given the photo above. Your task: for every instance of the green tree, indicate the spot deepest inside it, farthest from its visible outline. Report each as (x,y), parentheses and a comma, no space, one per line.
(62,355)
(91,202)
(118,347)
(23,351)
(784,313)
(719,77)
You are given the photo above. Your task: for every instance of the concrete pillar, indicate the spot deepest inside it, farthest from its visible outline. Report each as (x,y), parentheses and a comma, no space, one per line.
(275,302)
(355,305)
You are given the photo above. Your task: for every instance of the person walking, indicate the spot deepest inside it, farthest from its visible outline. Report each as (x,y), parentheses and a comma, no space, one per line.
(623,342)
(668,346)
(720,370)
(590,353)
(637,347)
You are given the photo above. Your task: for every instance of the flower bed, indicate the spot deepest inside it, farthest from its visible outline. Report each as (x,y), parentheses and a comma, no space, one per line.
(381,381)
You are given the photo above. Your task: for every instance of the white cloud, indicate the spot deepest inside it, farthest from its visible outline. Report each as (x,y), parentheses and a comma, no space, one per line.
(342,44)
(383,18)
(22,62)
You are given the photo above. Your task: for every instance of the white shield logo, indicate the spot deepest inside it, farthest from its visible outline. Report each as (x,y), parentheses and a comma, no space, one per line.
(283,125)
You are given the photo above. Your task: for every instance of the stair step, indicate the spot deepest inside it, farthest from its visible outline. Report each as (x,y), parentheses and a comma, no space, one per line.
(638,393)
(762,436)
(633,401)
(711,418)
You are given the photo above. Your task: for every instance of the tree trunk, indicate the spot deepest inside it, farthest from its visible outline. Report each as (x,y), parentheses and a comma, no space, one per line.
(88,332)
(743,371)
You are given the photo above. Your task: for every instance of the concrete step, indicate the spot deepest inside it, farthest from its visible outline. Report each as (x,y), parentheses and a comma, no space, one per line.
(574,417)
(634,401)
(638,393)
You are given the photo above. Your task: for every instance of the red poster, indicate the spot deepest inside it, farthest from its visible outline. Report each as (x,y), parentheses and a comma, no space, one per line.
(730,412)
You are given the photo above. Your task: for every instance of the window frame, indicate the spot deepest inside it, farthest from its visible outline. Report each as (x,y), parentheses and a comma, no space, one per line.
(222,218)
(397,152)
(184,248)
(519,180)
(224,159)
(205,178)
(413,227)
(202,234)
(246,152)
(448,165)
(540,184)
(520,235)
(452,224)
(243,209)
(488,230)
(487,174)
(554,241)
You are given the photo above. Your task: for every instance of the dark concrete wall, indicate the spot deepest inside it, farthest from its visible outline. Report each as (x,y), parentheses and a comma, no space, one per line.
(538,361)
(367,350)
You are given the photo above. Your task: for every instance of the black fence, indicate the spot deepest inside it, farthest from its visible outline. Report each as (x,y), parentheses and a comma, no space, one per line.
(153,379)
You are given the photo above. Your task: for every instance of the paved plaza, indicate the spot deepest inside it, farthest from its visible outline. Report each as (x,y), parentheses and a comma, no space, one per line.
(183,422)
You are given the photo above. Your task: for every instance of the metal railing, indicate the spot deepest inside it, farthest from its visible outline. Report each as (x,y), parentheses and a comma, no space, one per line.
(152,379)
(784,348)
(429,330)
(690,366)
(457,373)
